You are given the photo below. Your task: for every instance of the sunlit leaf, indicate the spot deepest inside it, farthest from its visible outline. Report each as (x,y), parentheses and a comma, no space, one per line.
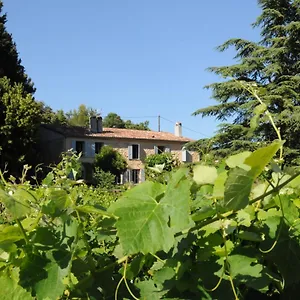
(237,189)
(143,222)
(205,174)
(18,208)
(260,158)
(11,290)
(238,160)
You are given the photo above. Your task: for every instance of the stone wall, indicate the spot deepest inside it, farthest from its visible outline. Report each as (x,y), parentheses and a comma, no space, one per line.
(146,148)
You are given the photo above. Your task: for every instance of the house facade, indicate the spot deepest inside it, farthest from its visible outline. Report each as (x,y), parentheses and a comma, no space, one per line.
(134,145)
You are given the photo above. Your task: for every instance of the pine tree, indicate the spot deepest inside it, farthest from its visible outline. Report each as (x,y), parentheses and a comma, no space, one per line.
(273,65)
(10,63)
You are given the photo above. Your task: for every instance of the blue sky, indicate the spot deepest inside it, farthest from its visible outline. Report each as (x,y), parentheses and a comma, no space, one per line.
(137,58)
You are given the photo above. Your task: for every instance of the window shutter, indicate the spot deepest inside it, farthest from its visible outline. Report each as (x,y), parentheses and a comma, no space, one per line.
(155,150)
(167,149)
(73,145)
(143,177)
(129,176)
(84,150)
(93,149)
(88,149)
(139,151)
(126,176)
(184,155)
(130,152)
(190,158)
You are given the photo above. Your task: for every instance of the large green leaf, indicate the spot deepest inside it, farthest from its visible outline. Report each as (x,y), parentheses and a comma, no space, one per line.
(237,189)
(18,208)
(51,287)
(244,266)
(176,201)
(205,174)
(149,216)
(92,209)
(219,186)
(10,290)
(10,234)
(238,160)
(57,201)
(149,290)
(260,158)
(143,222)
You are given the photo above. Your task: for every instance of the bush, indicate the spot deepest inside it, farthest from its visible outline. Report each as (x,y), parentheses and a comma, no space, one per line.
(102,179)
(110,160)
(158,165)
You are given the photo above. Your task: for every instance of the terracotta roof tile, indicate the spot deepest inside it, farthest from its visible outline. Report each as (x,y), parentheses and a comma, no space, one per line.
(110,133)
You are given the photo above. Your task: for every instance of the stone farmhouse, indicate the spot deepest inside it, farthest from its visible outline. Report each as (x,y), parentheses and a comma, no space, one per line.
(134,145)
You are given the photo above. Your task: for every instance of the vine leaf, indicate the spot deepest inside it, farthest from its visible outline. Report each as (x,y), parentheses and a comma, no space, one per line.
(18,208)
(219,186)
(142,224)
(205,174)
(244,265)
(258,110)
(238,160)
(176,201)
(239,183)
(150,214)
(51,287)
(10,289)
(237,189)
(259,159)
(10,234)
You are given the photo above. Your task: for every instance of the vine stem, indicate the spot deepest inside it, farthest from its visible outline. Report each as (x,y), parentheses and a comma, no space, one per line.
(273,124)
(117,288)
(23,231)
(219,282)
(119,261)
(252,91)
(125,280)
(226,255)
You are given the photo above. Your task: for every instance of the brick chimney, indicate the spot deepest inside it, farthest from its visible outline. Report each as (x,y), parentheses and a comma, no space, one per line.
(178,129)
(93,124)
(99,124)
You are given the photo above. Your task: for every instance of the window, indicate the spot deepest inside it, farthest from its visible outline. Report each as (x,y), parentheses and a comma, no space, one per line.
(161,149)
(98,147)
(79,147)
(186,156)
(135,176)
(134,151)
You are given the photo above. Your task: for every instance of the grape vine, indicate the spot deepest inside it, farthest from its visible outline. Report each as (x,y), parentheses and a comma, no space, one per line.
(225,232)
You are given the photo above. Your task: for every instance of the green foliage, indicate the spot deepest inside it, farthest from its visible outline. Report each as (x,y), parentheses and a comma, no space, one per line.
(19,121)
(207,233)
(10,63)
(110,160)
(137,126)
(80,117)
(273,66)
(158,241)
(112,120)
(157,166)
(104,180)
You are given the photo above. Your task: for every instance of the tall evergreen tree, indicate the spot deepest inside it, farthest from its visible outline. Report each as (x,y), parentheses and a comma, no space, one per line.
(10,63)
(273,65)
(19,122)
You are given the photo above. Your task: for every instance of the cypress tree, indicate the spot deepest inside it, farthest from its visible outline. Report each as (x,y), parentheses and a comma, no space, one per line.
(273,65)
(10,63)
